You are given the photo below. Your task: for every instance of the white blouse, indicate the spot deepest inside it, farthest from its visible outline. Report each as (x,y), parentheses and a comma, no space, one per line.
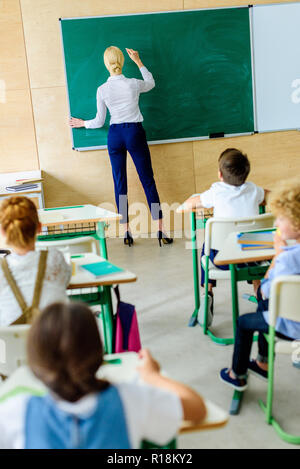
(24,270)
(120,95)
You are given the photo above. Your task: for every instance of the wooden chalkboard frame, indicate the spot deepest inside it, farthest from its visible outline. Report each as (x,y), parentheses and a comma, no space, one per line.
(170,140)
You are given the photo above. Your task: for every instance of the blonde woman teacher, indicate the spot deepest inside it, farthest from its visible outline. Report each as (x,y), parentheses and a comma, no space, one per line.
(120,95)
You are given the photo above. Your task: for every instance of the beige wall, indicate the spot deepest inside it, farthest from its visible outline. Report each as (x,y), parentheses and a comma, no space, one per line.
(34,130)
(18,150)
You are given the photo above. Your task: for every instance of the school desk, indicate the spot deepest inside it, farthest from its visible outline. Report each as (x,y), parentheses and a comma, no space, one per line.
(232,254)
(10,179)
(97,290)
(117,368)
(198,218)
(79,220)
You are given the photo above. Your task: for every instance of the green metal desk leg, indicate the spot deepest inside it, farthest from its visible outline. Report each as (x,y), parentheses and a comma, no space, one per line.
(101,238)
(108,319)
(205,329)
(237,395)
(193,318)
(214,338)
(236,402)
(149,445)
(234,296)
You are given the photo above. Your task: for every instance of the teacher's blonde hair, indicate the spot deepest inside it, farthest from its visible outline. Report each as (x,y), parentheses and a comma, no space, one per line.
(113,59)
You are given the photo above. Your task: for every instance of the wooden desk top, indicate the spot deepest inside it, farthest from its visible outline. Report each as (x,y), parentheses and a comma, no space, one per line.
(231,253)
(84,279)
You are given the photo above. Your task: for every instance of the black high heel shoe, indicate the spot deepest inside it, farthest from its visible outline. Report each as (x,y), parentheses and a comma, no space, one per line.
(128,239)
(163,238)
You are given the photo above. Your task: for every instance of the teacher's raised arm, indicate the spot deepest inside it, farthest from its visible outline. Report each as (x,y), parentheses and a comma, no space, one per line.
(120,95)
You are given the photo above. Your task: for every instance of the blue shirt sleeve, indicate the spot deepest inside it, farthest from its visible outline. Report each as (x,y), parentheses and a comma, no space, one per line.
(281,267)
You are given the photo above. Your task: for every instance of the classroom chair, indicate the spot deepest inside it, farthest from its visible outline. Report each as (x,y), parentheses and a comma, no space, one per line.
(284,302)
(92,296)
(12,348)
(216,231)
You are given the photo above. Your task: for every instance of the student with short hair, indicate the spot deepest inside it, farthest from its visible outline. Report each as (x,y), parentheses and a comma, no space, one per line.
(40,277)
(285,204)
(81,411)
(231,197)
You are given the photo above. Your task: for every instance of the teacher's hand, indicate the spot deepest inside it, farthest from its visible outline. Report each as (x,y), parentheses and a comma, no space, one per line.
(134,55)
(76,123)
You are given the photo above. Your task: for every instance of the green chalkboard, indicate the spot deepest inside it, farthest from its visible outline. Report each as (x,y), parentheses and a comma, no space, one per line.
(200,60)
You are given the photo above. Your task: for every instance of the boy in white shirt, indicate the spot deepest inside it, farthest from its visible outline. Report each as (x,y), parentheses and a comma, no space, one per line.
(231,197)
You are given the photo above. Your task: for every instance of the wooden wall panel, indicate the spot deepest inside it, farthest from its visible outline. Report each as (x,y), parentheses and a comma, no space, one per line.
(13,68)
(17,137)
(85,177)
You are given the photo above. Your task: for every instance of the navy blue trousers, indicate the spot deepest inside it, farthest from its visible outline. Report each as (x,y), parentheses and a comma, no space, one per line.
(131,137)
(246,326)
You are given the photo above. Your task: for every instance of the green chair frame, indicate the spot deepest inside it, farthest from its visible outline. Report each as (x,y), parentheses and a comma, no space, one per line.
(284,302)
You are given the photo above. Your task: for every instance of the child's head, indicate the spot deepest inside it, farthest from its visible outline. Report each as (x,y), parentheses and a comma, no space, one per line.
(114,60)
(234,167)
(65,350)
(285,204)
(19,221)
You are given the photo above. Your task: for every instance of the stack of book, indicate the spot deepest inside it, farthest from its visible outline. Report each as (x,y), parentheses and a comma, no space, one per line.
(24,185)
(263,239)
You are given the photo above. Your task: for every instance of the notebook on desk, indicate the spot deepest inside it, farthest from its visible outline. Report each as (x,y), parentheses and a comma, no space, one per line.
(21,187)
(98,269)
